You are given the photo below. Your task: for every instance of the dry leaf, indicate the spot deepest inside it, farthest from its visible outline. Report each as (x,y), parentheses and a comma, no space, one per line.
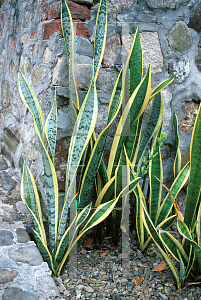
(88,242)
(104,253)
(161,267)
(137,281)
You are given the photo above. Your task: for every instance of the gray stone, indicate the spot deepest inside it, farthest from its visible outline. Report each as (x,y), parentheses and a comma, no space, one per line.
(151,50)
(17,294)
(7,276)
(180,68)
(60,73)
(21,207)
(179,37)
(25,65)
(22,235)
(3,164)
(6,95)
(7,182)
(29,255)
(28,141)
(6,237)
(18,107)
(9,214)
(84,47)
(165,4)
(3,60)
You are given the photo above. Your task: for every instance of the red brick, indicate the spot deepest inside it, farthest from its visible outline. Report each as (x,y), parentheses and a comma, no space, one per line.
(112,43)
(2,16)
(78,12)
(12,43)
(82,30)
(2,33)
(50,28)
(195,21)
(34,34)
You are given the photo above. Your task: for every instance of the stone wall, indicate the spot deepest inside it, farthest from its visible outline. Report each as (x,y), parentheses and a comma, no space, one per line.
(31,41)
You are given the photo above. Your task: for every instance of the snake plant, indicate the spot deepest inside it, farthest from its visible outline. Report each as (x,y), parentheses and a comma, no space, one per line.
(187,253)
(56,245)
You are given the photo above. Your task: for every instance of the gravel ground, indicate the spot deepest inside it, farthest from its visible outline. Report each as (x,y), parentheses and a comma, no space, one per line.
(103,278)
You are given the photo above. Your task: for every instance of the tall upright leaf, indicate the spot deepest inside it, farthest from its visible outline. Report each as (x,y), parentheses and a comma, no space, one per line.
(195,174)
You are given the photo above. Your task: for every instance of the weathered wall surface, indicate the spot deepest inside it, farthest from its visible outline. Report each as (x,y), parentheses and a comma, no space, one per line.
(31,41)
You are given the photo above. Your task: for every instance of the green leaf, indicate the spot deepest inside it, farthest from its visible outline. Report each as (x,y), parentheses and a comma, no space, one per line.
(158,241)
(164,225)
(69,36)
(30,100)
(136,63)
(51,128)
(161,86)
(175,188)
(100,36)
(136,105)
(82,133)
(30,197)
(51,184)
(154,123)
(177,161)
(155,170)
(195,174)
(44,251)
(173,246)
(182,270)
(97,152)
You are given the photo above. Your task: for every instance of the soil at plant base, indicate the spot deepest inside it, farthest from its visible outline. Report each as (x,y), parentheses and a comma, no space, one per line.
(99,272)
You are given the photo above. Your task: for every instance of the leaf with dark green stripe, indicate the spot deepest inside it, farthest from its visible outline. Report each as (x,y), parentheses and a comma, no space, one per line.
(154,123)
(174,246)
(177,161)
(51,185)
(182,271)
(100,36)
(136,64)
(164,225)
(133,110)
(97,152)
(157,240)
(69,36)
(105,209)
(155,170)
(195,173)
(161,86)
(175,188)
(51,128)
(133,140)
(44,251)
(83,130)
(30,100)
(29,195)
